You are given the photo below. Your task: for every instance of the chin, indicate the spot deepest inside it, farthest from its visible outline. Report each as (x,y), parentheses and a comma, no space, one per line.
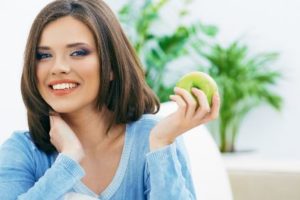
(63,109)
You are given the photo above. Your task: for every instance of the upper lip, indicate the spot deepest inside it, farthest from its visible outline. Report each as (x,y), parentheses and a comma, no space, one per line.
(54,82)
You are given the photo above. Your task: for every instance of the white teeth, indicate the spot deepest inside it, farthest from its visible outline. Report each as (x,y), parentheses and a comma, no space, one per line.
(63,86)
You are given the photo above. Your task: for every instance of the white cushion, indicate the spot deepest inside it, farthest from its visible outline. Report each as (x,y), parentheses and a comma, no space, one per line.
(208,170)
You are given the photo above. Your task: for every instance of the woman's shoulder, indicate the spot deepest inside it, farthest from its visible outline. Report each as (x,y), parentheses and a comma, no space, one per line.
(21,143)
(20,150)
(20,139)
(140,129)
(17,150)
(148,119)
(144,124)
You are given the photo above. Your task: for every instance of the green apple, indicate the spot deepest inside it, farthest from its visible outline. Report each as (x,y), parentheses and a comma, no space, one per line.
(201,81)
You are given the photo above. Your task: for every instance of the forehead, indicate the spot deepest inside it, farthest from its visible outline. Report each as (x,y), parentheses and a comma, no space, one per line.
(66,30)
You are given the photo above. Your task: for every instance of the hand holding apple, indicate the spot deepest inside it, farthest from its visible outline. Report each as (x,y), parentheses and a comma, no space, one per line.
(195,107)
(201,81)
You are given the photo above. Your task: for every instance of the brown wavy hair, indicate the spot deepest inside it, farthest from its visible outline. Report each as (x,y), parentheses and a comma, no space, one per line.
(127,96)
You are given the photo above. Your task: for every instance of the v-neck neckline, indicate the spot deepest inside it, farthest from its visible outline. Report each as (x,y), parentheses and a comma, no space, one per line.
(109,191)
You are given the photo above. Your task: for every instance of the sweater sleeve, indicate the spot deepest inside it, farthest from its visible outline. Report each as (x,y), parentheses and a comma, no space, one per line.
(17,173)
(168,174)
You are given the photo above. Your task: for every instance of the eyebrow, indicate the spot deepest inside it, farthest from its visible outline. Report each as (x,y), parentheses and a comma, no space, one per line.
(72,45)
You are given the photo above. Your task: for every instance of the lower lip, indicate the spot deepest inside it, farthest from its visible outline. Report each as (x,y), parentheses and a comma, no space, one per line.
(63,91)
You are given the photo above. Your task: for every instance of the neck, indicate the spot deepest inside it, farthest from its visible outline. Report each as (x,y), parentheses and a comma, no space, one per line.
(91,128)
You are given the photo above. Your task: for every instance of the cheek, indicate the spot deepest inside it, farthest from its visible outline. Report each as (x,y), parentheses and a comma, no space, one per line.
(89,70)
(41,77)
(41,72)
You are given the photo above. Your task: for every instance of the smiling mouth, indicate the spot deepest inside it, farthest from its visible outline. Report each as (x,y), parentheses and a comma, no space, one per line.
(60,89)
(64,86)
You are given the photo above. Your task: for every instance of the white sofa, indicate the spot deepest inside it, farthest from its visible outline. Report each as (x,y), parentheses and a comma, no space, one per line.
(208,170)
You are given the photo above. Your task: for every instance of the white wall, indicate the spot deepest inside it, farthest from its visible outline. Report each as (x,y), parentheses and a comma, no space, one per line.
(265,25)
(15,20)
(271,25)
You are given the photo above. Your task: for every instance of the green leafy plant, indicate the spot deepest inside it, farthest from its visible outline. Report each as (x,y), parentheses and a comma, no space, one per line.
(155,50)
(245,81)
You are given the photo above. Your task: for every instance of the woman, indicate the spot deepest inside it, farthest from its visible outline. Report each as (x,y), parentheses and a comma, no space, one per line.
(92,131)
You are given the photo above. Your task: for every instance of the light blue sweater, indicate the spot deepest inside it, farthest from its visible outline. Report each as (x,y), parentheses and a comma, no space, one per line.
(29,174)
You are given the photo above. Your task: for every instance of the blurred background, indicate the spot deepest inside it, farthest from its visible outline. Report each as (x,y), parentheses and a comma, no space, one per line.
(250,47)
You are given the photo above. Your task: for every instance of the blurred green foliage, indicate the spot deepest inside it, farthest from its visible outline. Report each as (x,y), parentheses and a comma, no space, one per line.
(244,80)
(156,51)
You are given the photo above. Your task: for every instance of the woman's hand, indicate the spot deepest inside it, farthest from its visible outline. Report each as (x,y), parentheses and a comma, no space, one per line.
(64,139)
(190,113)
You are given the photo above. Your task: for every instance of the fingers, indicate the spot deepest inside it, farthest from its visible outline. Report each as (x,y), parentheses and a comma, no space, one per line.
(53,116)
(193,110)
(197,110)
(191,103)
(51,112)
(51,121)
(180,102)
(216,104)
(203,108)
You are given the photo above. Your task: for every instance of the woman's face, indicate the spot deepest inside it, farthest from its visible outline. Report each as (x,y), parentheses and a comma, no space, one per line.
(68,66)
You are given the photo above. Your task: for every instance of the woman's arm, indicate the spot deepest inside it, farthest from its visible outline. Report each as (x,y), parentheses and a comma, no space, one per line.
(191,112)
(18,168)
(168,174)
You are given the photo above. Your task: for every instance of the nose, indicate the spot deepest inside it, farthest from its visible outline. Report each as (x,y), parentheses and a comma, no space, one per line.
(61,66)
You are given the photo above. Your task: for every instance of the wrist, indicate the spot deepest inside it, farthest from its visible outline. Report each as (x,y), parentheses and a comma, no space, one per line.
(156,142)
(75,154)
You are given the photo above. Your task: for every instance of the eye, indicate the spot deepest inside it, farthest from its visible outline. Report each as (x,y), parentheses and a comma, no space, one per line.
(81,52)
(41,56)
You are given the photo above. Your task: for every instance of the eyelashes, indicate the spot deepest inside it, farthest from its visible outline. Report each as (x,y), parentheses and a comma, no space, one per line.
(40,56)
(76,53)
(81,52)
